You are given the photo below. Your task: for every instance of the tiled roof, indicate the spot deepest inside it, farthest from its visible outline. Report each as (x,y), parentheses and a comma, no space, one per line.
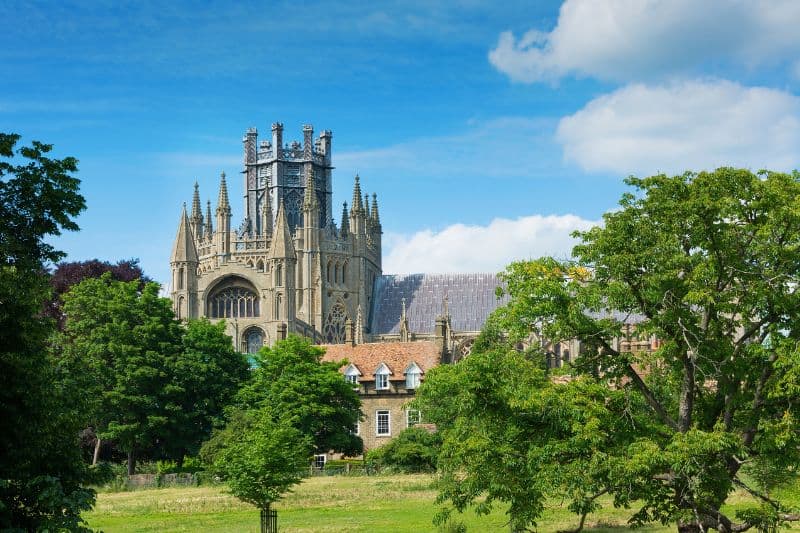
(470,297)
(396,355)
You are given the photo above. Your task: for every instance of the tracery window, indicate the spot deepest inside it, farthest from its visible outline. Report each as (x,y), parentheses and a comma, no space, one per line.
(293,210)
(233,301)
(334,330)
(253,340)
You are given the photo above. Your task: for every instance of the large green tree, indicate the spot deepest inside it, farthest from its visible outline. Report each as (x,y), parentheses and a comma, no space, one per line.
(150,383)
(208,373)
(291,379)
(263,457)
(122,344)
(40,466)
(708,263)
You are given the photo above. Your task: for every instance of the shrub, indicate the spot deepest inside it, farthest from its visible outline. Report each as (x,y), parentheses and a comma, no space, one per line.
(414,450)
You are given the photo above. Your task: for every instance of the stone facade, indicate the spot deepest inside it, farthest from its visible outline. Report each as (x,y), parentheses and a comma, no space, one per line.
(386,375)
(288,267)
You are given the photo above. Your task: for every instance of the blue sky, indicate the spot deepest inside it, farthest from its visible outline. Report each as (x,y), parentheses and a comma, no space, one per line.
(488,133)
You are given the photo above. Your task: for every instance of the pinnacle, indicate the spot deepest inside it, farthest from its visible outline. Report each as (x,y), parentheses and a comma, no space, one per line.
(375,217)
(357,206)
(223,202)
(196,209)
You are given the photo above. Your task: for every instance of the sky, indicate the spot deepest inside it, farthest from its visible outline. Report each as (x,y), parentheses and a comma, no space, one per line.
(488,132)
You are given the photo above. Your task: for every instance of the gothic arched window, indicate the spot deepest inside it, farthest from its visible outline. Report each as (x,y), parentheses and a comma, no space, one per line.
(293,210)
(253,340)
(233,298)
(334,330)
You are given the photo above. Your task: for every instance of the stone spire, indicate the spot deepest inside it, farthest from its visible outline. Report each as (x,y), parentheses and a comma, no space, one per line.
(282,245)
(184,251)
(375,218)
(345,228)
(196,220)
(222,202)
(366,205)
(357,207)
(222,238)
(209,229)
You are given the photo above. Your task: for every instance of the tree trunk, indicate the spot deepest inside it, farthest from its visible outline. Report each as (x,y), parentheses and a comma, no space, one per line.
(131,463)
(688,527)
(98,442)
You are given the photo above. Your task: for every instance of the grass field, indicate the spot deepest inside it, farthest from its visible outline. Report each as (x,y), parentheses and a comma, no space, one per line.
(402,503)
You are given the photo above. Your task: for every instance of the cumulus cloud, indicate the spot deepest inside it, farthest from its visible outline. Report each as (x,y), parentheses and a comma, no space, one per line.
(462,248)
(628,40)
(695,125)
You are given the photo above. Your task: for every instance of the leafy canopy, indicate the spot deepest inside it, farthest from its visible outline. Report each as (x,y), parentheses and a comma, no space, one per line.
(262,458)
(41,471)
(291,379)
(708,264)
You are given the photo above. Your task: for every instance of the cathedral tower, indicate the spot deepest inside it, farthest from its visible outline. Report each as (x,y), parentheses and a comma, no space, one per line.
(287,268)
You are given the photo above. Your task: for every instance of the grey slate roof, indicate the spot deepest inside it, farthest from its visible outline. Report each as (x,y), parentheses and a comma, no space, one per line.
(471,297)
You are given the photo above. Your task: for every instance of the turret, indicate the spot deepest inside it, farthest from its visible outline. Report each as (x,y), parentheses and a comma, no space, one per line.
(308,141)
(325,144)
(282,258)
(376,219)
(277,138)
(357,221)
(196,220)
(345,227)
(209,229)
(183,263)
(223,234)
(250,142)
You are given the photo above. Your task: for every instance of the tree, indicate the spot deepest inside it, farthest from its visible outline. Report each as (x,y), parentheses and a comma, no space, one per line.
(208,373)
(122,344)
(264,457)
(69,273)
(708,264)
(291,379)
(41,471)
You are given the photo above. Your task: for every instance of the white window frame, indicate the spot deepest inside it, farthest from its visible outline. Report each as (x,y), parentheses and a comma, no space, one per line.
(381,381)
(378,414)
(352,379)
(317,461)
(413,380)
(408,417)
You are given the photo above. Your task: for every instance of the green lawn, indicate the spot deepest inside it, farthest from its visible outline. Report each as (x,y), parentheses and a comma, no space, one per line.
(375,504)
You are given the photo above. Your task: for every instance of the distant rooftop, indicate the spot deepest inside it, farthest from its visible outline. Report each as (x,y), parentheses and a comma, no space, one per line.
(470,300)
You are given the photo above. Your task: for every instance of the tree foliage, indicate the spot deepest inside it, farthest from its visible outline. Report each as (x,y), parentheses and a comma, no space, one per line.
(263,457)
(69,273)
(41,471)
(414,450)
(291,379)
(708,264)
(149,382)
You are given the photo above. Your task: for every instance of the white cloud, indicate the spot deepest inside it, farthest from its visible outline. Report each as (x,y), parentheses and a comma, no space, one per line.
(640,39)
(694,125)
(462,248)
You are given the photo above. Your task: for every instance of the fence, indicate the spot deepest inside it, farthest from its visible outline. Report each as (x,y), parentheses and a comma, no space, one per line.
(269,521)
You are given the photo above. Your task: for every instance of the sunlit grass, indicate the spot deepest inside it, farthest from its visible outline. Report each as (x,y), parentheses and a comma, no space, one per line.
(401,503)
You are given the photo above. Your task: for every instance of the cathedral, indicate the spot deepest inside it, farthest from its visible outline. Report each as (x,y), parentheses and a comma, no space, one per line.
(290,267)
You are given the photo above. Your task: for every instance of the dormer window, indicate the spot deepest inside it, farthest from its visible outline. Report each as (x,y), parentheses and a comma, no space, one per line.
(413,376)
(352,374)
(382,377)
